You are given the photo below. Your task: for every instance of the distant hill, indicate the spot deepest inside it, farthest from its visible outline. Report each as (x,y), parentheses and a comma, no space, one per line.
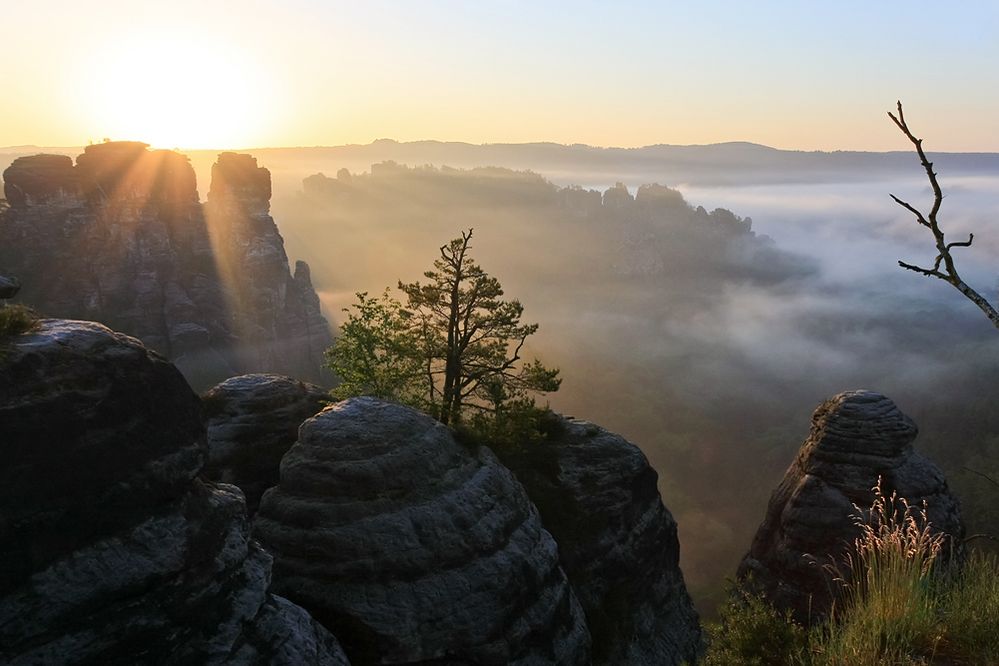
(716,164)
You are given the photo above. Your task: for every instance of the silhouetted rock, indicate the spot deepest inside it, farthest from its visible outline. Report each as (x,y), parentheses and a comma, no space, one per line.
(252,422)
(121,238)
(857,437)
(617,196)
(9,286)
(41,179)
(599,498)
(110,550)
(411,548)
(276,316)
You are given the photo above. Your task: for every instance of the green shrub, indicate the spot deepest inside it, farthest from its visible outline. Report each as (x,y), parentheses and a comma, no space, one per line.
(888,607)
(898,605)
(751,632)
(969,608)
(17,319)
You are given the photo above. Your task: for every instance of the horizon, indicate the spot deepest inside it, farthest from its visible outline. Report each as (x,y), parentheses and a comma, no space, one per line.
(303,73)
(576,144)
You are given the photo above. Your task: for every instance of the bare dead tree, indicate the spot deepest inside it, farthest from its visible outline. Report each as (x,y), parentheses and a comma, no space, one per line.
(943,266)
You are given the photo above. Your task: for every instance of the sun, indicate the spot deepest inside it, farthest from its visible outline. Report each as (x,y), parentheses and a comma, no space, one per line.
(175,93)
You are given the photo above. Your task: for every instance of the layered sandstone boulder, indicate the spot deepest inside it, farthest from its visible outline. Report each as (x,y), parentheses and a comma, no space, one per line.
(252,421)
(412,548)
(111,550)
(599,497)
(859,439)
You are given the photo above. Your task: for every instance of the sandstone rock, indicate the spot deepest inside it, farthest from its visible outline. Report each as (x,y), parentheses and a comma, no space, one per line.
(252,422)
(119,172)
(412,549)
(599,498)
(122,238)
(110,550)
(9,286)
(41,179)
(857,437)
(277,316)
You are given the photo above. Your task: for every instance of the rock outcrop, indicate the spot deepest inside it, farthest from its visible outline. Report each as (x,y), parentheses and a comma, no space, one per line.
(277,318)
(252,422)
(857,438)
(9,286)
(122,238)
(111,551)
(413,549)
(598,496)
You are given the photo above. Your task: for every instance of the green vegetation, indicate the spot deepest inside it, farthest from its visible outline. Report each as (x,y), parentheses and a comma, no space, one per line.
(377,352)
(751,632)
(900,604)
(455,347)
(17,319)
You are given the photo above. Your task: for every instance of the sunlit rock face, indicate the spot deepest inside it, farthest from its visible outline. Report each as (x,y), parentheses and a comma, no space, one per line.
(599,497)
(111,550)
(252,421)
(277,318)
(857,438)
(412,548)
(121,238)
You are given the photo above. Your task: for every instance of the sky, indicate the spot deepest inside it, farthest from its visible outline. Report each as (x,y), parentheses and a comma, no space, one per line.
(214,74)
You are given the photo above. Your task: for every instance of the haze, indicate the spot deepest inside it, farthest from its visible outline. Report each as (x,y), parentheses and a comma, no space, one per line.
(303,73)
(705,342)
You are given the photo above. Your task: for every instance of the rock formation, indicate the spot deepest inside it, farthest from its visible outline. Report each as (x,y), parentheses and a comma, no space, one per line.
(9,286)
(252,422)
(413,549)
(276,314)
(111,551)
(121,238)
(598,496)
(856,438)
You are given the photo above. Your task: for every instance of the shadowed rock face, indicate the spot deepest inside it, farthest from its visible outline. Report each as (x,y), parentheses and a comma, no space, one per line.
(122,238)
(599,498)
(413,549)
(110,550)
(276,315)
(857,437)
(9,286)
(40,179)
(252,422)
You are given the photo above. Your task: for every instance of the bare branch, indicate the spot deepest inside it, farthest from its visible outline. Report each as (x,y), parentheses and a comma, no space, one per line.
(949,273)
(911,209)
(925,271)
(967,243)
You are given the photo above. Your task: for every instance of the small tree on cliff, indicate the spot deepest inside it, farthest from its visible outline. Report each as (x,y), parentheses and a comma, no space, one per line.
(455,346)
(377,352)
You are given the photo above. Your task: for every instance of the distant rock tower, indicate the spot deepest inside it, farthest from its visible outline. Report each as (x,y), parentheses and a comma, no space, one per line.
(278,322)
(121,238)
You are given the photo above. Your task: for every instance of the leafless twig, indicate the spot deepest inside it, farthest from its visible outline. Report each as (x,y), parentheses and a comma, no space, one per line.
(949,273)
